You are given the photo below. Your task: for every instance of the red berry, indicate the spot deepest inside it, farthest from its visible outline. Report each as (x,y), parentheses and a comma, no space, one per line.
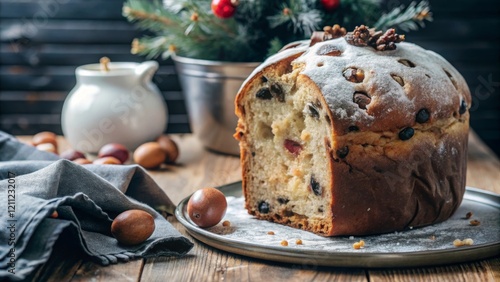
(293,147)
(330,5)
(224,8)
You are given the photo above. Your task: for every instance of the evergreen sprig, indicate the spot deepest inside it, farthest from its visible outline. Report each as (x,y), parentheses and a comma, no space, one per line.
(258,29)
(410,19)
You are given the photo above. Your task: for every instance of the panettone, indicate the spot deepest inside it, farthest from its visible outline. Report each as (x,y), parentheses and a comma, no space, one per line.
(342,139)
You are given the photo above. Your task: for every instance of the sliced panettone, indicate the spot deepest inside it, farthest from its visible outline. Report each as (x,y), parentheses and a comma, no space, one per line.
(340,139)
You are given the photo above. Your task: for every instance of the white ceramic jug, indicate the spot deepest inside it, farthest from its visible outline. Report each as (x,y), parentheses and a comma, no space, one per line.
(121,105)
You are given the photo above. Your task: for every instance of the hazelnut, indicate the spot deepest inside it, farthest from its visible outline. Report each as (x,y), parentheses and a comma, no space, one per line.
(44,137)
(82,161)
(362,99)
(72,155)
(149,155)
(108,160)
(47,147)
(169,147)
(133,227)
(114,150)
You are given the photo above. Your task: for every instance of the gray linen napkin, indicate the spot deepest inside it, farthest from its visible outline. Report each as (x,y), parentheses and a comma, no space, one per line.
(33,184)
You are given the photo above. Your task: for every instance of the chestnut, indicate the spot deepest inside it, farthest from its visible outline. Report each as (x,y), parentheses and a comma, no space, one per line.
(170,147)
(82,161)
(207,207)
(149,155)
(133,227)
(72,155)
(44,137)
(114,150)
(107,160)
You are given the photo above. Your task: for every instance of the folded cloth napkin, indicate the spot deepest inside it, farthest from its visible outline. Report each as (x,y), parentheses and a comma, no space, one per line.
(33,184)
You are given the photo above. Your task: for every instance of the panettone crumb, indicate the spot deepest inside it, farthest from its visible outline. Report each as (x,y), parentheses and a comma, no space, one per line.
(359,245)
(284,243)
(468,242)
(298,242)
(468,215)
(465,242)
(226,223)
(475,222)
(270,233)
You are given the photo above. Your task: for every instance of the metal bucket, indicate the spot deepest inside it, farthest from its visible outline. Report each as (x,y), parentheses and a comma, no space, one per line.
(210,88)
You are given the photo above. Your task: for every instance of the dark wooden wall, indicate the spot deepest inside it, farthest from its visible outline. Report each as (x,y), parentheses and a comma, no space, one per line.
(42,42)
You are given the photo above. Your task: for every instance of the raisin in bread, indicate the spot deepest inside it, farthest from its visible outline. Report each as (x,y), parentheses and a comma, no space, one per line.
(345,140)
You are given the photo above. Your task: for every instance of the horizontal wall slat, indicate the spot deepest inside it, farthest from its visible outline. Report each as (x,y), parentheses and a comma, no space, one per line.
(6,96)
(112,9)
(473,53)
(74,31)
(46,107)
(63,78)
(30,102)
(457,30)
(64,54)
(60,31)
(62,9)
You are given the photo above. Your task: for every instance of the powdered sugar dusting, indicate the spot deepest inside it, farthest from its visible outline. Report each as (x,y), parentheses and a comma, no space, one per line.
(441,148)
(425,84)
(247,229)
(421,82)
(301,47)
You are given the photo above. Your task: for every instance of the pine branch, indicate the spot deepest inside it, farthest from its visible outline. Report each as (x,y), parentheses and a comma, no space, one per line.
(258,28)
(152,47)
(299,16)
(274,46)
(409,19)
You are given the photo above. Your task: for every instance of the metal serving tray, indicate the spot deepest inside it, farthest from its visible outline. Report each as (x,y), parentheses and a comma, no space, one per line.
(431,245)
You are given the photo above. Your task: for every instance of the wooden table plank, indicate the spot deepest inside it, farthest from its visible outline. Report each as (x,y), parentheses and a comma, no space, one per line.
(476,271)
(205,263)
(125,272)
(483,167)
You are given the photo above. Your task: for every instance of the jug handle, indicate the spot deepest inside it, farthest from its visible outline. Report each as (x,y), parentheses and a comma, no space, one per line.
(146,70)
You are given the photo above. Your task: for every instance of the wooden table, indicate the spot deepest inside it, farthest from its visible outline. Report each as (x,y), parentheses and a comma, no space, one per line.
(199,168)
